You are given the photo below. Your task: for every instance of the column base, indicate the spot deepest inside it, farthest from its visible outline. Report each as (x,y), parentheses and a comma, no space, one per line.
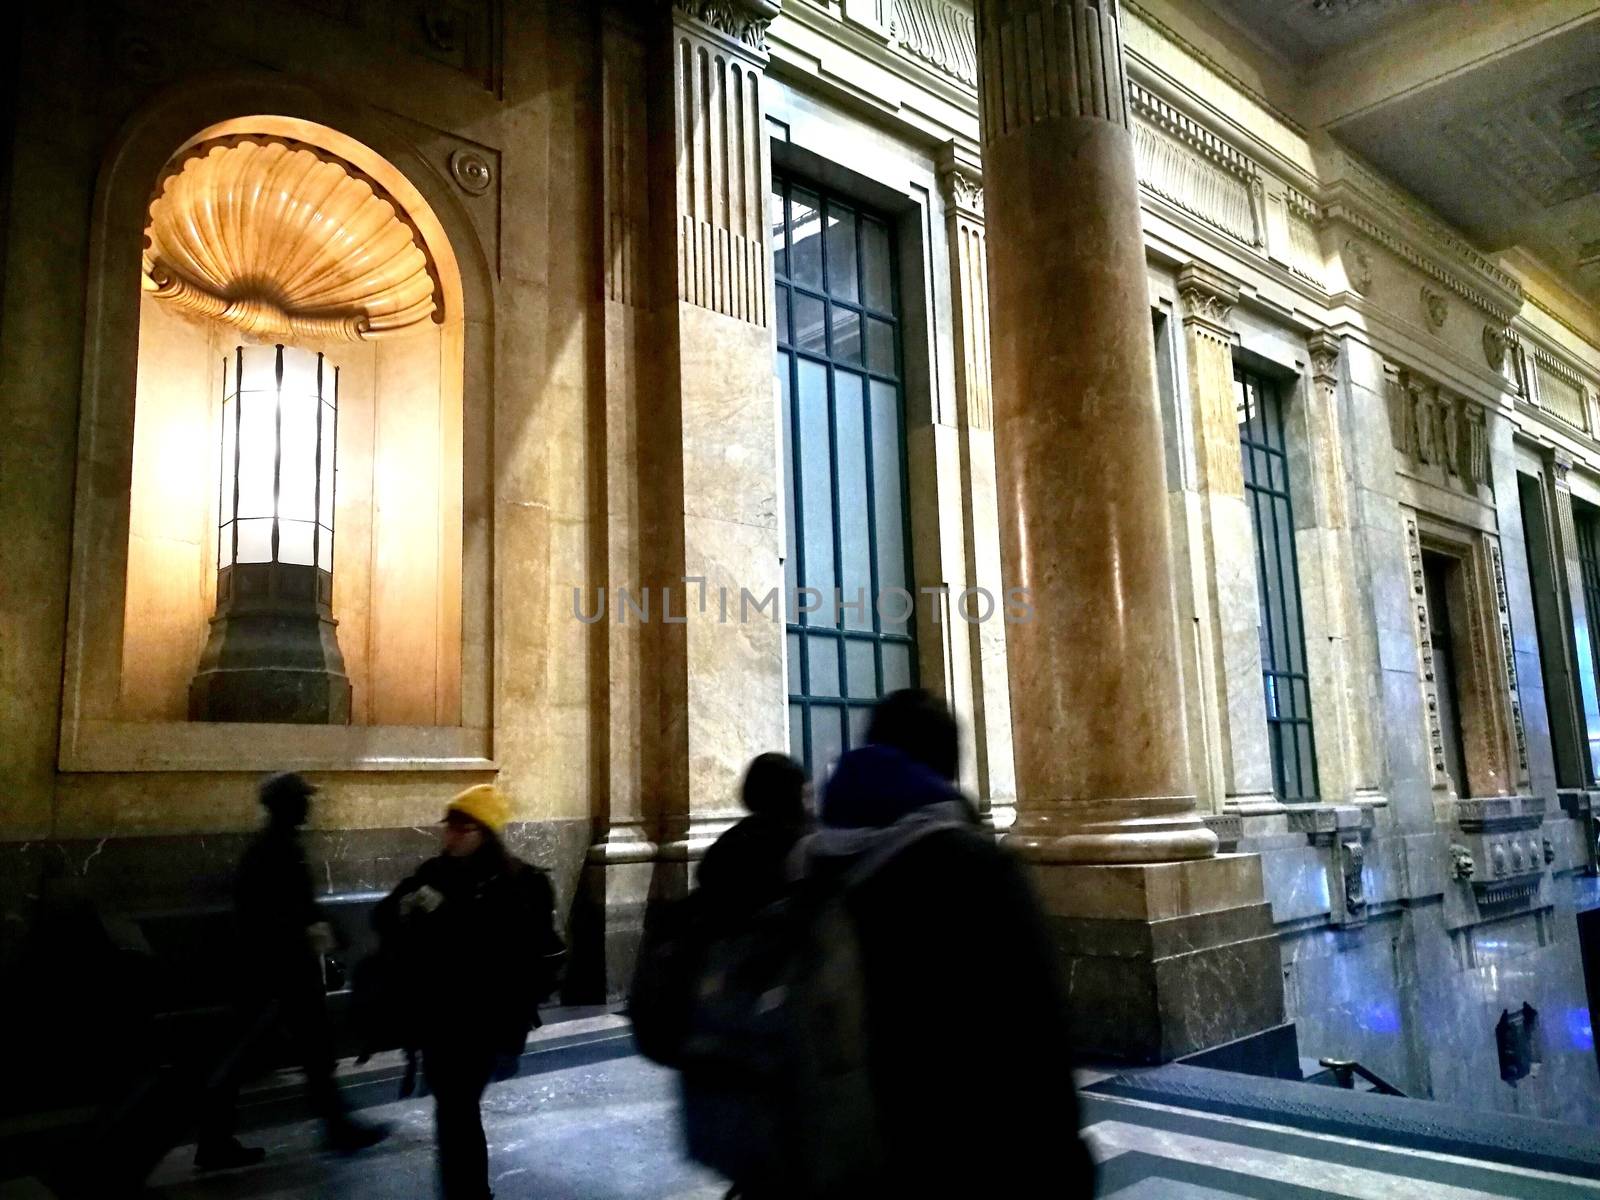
(1141,830)
(1161,960)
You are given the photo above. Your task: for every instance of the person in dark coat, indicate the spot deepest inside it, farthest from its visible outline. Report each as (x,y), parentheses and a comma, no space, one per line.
(746,868)
(473,933)
(283,936)
(966,1017)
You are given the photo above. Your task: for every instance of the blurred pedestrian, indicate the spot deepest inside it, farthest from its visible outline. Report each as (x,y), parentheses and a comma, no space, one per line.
(964,1010)
(474,938)
(283,936)
(746,867)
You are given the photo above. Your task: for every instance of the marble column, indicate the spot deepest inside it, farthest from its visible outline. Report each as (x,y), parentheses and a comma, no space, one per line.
(1167,947)
(1102,757)
(961,177)
(1228,539)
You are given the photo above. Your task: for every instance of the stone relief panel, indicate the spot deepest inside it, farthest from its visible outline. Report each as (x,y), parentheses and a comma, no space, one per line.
(1428,675)
(1508,656)
(1441,437)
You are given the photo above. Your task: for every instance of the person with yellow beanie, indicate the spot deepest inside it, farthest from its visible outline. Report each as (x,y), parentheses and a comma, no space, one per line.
(473,935)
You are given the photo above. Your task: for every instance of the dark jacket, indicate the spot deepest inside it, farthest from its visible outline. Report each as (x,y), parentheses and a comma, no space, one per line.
(970,1058)
(471,952)
(747,867)
(274,905)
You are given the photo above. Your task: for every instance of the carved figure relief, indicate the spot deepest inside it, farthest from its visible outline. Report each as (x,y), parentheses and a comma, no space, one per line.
(1357,265)
(1461,864)
(1435,306)
(1495,343)
(1352,862)
(1431,427)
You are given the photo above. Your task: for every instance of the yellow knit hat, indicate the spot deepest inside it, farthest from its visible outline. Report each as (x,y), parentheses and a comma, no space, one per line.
(483,803)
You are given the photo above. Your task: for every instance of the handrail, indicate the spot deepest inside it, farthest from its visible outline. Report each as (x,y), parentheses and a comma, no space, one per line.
(1346,1069)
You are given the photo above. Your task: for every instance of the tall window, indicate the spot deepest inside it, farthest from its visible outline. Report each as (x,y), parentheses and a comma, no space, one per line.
(1283,639)
(847,573)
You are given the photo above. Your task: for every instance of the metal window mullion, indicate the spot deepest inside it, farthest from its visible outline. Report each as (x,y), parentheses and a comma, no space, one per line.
(1299,632)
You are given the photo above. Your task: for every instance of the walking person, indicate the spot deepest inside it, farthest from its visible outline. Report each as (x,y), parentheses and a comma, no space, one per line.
(746,867)
(474,939)
(282,938)
(948,927)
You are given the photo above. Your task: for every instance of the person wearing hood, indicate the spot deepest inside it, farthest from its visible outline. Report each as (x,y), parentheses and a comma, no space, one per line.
(283,935)
(473,927)
(966,1019)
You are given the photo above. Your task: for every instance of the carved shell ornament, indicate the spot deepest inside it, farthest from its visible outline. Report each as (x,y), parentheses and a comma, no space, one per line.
(278,240)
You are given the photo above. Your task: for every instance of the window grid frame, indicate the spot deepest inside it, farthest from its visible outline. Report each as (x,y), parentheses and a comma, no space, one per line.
(803,626)
(1278,676)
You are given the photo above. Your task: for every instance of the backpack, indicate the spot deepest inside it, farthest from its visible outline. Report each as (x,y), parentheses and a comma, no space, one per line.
(767,1022)
(774,1056)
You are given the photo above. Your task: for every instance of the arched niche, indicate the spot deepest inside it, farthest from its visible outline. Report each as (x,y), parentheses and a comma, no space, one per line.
(411,579)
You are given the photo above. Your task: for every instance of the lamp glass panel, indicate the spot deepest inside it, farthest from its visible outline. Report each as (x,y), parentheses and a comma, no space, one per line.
(299,372)
(325,548)
(258,369)
(325,498)
(297,469)
(258,449)
(255,540)
(225,546)
(230,434)
(295,542)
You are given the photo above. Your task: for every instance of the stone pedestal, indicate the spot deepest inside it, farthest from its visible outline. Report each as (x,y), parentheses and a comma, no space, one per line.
(1164,959)
(1166,948)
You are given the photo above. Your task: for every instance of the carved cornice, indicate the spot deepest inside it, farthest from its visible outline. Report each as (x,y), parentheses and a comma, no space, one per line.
(1153,109)
(745,21)
(1212,65)
(1362,200)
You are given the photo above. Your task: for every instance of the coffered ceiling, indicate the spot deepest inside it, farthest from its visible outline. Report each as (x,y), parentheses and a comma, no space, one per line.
(1487,110)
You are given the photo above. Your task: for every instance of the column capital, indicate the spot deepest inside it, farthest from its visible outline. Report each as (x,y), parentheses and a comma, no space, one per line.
(741,21)
(1207,297)
(1560,464)
(961,180)
(1324,347)
(1042,61)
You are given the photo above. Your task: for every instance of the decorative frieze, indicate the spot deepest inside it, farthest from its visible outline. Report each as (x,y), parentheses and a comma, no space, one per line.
(1048,59)
(1559,389)
(1184,162)
(1430,684)
(1305,255)
(940,34)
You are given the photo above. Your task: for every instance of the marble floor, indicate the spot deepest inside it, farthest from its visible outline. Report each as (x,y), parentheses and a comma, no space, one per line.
(592,1120)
